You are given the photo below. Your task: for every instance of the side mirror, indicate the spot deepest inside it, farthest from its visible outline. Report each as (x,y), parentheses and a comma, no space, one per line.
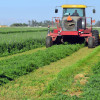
(56,10)
(94,11)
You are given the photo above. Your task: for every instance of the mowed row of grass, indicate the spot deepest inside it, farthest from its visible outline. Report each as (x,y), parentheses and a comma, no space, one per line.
(23,53)
(32,85)
(21,65)
(79,81)
(93,84)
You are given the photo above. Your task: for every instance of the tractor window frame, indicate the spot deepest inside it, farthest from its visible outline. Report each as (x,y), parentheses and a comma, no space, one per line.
(74,8)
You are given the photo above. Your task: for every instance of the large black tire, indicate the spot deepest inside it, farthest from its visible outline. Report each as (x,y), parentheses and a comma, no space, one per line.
(49,42)
(90,42)
(58,40)
(95,33)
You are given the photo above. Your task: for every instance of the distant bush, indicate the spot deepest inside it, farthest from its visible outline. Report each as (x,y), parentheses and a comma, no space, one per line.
(97,24)
(19,25)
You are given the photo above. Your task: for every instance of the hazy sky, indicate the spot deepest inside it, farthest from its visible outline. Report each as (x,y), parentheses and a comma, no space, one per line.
(23,10)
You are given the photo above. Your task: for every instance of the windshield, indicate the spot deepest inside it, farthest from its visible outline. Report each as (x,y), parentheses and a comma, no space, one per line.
(74,12)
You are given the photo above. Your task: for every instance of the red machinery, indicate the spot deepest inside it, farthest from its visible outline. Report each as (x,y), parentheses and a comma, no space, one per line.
(73,26)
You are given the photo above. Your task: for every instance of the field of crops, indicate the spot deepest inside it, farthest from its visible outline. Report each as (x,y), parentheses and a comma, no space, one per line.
(10,30)
(77,77)
(20,41)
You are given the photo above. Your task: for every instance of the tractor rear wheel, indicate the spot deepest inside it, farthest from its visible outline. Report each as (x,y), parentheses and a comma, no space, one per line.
(90,42)
(49,42)
(95,33)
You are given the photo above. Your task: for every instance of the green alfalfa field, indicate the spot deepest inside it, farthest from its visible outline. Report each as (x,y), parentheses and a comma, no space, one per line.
(62,72)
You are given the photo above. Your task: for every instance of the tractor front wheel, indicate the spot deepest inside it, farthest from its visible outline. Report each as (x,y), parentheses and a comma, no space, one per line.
(95,33)
(90,42)
(49,41)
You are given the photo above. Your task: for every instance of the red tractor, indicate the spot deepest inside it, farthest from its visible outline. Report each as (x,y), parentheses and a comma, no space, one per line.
(72,27)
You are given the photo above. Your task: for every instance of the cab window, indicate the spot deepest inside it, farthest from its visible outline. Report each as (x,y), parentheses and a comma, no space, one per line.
(74,12)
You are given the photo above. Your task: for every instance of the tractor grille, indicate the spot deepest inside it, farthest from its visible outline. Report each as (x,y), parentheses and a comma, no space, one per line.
(69,25)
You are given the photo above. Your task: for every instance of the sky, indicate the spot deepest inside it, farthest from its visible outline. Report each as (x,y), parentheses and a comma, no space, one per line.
(20,11)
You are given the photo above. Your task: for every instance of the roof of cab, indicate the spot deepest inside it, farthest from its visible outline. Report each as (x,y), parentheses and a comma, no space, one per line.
(74,6)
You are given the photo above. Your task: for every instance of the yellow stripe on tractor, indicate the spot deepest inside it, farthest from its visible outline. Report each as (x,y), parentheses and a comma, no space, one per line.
(74,6)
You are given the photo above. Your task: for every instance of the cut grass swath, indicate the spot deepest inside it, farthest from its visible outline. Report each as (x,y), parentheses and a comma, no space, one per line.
(65,78)
(18,66)
(91,90)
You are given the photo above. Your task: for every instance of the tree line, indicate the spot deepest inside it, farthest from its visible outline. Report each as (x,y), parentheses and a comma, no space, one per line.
(34,23)
(97,24)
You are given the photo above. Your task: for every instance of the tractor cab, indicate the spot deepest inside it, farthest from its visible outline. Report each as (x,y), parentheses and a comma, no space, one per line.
(74,10)
(75,15)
